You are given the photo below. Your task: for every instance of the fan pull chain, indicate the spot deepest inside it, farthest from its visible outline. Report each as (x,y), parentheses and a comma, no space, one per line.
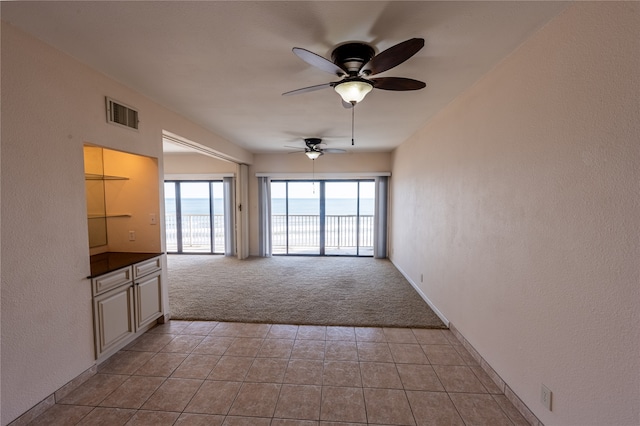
(353,113)
(313,175)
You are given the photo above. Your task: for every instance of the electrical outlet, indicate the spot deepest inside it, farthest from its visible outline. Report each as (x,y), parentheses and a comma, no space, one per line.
(545,397)
(132,235)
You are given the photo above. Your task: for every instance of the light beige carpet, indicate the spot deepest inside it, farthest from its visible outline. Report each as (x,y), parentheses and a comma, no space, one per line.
(295,290)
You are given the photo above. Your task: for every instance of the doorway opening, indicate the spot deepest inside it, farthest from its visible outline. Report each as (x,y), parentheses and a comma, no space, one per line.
(322,218)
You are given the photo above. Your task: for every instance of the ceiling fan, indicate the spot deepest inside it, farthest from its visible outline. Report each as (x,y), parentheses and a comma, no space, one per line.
(355,63)
(315,148)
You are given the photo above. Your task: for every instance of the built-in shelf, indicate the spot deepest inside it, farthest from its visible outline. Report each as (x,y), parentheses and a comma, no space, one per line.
(96,186)
(92,176)
(107,216)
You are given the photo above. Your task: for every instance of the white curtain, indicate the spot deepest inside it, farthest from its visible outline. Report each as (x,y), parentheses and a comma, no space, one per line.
(228,185)
(264,216)
(380,226)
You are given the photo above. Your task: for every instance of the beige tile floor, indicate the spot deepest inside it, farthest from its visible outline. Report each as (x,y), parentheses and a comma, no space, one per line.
(210,373)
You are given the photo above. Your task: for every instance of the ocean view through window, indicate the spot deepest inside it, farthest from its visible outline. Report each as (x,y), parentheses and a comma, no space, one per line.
(194,217)
(334,218)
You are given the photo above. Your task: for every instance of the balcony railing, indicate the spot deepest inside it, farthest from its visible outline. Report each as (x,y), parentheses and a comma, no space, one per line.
(196,233)
(344,234)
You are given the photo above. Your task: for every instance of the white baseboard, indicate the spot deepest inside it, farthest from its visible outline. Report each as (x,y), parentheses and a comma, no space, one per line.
(424,297)
(520,406)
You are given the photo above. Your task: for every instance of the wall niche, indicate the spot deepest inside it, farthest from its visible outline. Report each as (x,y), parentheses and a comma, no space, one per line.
(123,201)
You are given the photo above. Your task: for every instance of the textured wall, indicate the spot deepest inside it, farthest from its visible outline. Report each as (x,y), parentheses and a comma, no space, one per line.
(196,163)
(520,205)
(52,105)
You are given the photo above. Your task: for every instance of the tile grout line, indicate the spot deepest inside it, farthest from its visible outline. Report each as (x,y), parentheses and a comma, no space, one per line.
(515,400)
(236,335)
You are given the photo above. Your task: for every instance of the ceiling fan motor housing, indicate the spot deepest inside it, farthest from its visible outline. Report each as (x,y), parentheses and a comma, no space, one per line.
(352,56)
(312,143)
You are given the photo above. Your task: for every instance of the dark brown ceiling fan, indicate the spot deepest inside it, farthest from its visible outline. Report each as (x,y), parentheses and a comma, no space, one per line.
(355,63)
(315,148)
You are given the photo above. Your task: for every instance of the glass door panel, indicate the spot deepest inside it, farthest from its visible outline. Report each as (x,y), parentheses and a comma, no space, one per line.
(217,191)
(279,217)
(303,219)
(170,216)
(366,220)
(341,218)
(196,217)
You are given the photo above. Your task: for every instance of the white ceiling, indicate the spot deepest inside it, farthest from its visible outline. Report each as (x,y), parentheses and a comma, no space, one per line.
(225,64)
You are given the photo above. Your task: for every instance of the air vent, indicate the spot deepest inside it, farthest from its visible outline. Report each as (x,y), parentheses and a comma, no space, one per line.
(122,115)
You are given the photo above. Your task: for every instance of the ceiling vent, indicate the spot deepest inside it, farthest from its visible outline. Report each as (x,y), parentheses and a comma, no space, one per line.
(122,115)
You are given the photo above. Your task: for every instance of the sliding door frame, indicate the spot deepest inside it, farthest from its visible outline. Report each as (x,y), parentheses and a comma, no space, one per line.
(178,213)
(322,216)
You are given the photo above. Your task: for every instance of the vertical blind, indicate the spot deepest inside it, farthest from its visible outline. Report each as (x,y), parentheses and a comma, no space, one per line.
(228,185)
(380,218)
(264,217)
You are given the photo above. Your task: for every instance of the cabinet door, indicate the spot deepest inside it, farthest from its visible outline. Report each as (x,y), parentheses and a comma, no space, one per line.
(113,317)
(148,299)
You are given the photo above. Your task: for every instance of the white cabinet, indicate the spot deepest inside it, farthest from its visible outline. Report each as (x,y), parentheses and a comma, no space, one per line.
(148,295)
(111,280)
(126,303)
(113,318)
(141,269)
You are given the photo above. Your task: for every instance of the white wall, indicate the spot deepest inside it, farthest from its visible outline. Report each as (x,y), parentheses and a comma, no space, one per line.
(196,164)
(520,205)
(51,106)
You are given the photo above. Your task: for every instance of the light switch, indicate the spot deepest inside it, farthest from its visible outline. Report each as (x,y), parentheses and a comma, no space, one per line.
(152,218)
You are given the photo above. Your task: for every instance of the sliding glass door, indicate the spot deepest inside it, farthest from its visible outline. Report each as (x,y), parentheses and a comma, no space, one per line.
(295,219)
(194,213)
(349,218)
(332,218)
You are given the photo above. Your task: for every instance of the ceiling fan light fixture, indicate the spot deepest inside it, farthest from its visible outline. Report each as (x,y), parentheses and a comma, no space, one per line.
(353,91)
(313,154)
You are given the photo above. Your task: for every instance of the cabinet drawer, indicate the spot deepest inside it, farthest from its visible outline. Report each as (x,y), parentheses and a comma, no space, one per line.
(146,267)
(111,280)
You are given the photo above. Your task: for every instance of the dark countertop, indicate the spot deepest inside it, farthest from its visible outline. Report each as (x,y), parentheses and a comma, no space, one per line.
(110,261)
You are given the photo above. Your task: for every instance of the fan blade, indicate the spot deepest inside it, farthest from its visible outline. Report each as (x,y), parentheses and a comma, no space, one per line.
(393,56)
(307,89)
(397,83)
(319,62)
(334,151)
